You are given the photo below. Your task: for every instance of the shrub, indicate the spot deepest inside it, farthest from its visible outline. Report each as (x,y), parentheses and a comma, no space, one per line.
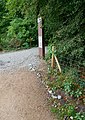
(22,31)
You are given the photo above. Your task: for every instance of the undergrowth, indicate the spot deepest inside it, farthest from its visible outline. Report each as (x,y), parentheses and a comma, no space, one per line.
(70,85)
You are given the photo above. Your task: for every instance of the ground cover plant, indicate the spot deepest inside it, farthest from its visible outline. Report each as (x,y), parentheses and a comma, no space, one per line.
(70,87)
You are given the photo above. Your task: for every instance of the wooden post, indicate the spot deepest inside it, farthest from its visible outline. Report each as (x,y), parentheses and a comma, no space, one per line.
(53,59)
(41,38)
(58,64)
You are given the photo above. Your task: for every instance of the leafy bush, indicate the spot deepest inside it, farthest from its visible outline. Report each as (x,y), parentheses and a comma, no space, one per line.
(22,31)
(71,51)
(64,23)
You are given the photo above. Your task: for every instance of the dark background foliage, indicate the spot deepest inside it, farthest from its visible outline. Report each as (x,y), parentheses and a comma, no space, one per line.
(64,26)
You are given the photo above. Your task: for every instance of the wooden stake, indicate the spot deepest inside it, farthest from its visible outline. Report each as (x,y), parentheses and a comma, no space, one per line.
(53,59)
(58,64)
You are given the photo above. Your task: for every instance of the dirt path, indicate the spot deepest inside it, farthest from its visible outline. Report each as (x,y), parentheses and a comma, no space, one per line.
(23,96)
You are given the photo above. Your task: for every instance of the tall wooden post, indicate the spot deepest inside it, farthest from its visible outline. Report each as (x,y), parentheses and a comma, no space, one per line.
(53,59)
(41,43)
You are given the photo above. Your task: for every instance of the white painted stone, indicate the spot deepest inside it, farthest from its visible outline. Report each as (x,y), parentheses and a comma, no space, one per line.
(71,117)
(59,97)
(54,97)
(50,91)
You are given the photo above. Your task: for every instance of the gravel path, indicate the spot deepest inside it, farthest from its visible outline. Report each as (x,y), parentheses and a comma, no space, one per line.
(17,59)
(22,95)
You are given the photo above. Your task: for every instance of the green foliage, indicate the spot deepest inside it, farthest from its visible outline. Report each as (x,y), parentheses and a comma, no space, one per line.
(18,24)
(71,51)
(68,111)
(64,111)
(79,116)
(68,83)
(2,8)
(49,54)
(64,21)
(23,31)
(53,109)
(3,21)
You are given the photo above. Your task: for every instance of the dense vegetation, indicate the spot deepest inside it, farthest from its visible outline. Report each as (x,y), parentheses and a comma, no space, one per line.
(64,27)
(18,24)
(64,24)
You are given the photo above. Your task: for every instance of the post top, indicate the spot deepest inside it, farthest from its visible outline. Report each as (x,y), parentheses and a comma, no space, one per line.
(39,19)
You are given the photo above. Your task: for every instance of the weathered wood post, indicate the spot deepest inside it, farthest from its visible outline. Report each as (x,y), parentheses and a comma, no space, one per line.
(53,59)
(41,43)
